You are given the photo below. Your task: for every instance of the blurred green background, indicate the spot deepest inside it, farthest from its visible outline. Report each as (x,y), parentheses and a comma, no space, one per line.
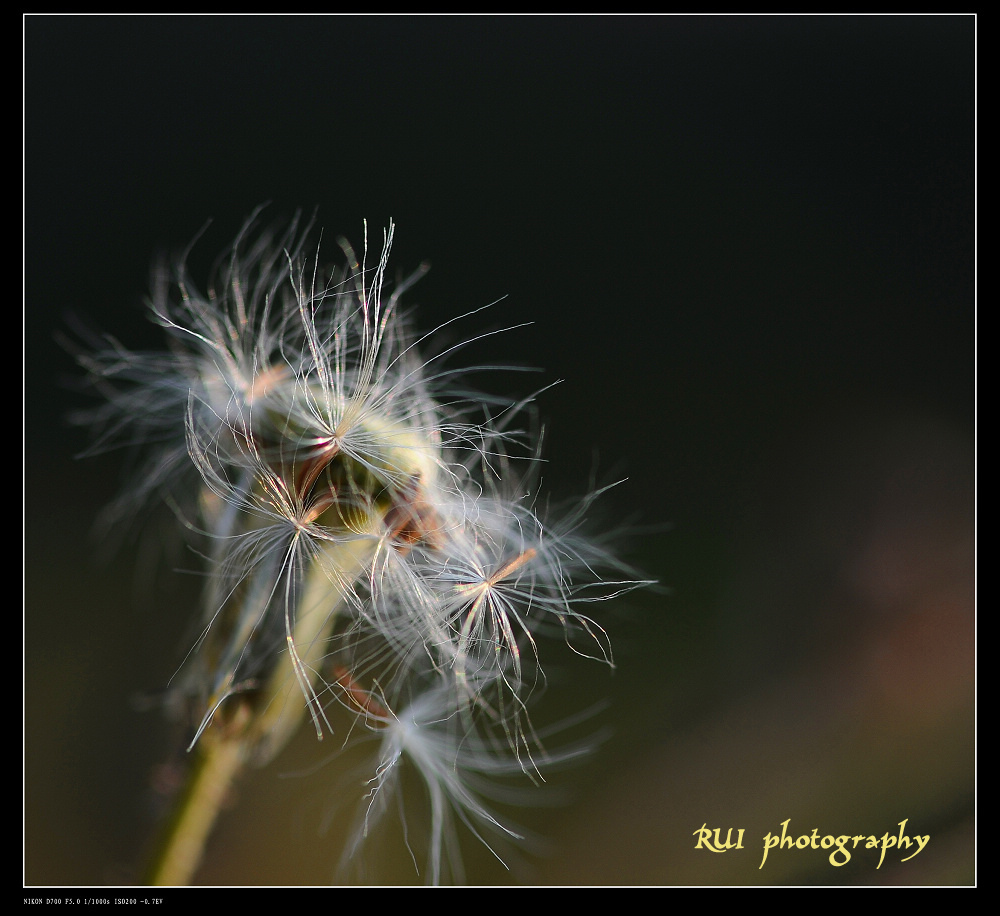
(746,245)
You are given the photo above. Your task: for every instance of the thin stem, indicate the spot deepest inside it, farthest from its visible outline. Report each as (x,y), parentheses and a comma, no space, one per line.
(257,733)
(219,762)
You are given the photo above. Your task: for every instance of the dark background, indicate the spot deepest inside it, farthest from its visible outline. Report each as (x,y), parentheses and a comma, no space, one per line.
(746,244)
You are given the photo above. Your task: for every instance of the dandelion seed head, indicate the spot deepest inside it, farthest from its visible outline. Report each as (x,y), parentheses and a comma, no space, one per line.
(368,544)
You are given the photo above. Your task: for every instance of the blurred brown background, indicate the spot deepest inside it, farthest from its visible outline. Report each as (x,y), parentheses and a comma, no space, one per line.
(746,244)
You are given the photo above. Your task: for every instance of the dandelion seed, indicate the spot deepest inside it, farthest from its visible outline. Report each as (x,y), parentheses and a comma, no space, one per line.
(361,533)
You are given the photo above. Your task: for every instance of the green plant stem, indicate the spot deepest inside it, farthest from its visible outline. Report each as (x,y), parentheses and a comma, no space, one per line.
(218,764)
(256,734)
